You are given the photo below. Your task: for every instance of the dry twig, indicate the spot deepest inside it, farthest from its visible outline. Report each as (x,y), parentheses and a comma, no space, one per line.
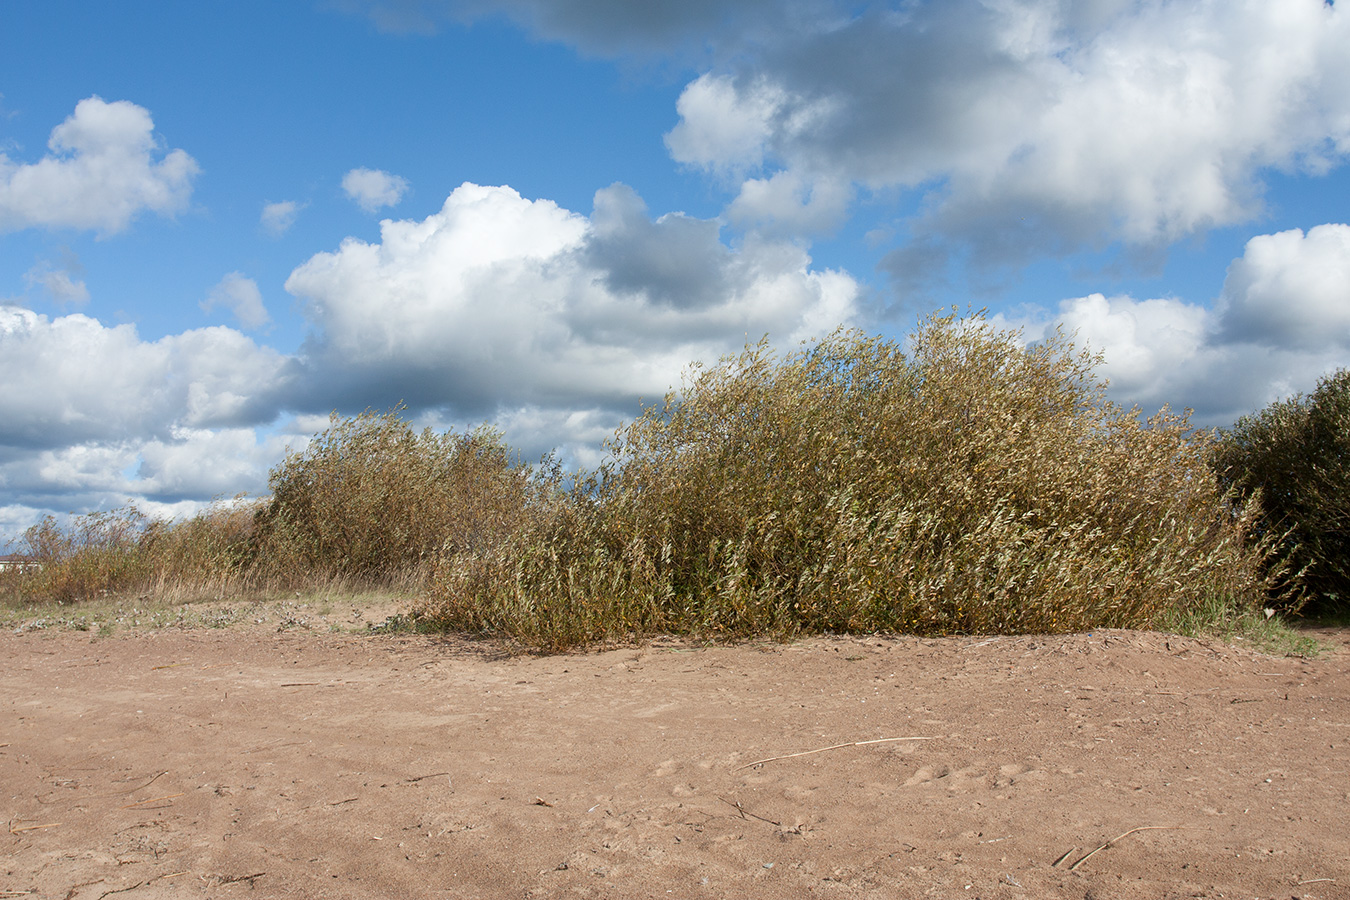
(745,812)
(1118,837)
(139,787)
(760,762)
(152,800)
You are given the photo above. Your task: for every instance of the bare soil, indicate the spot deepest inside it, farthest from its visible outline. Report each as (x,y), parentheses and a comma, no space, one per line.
(247,762)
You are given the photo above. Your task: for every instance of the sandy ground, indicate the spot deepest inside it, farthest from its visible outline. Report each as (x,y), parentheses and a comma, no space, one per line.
(243,762)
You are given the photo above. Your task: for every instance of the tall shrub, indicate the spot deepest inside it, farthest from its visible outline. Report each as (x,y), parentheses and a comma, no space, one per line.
(95,554)
(1294,458)
(370,497)
(969,484)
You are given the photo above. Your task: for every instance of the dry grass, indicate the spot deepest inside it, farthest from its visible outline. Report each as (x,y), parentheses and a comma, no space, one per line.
(368,505)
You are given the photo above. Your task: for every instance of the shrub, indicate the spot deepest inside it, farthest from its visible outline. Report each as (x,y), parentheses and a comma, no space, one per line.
(371,498)
(1293,458)
(122,551)
(97,554)
(969,486)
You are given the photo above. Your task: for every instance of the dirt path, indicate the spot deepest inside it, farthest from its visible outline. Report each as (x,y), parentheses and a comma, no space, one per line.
(236,763)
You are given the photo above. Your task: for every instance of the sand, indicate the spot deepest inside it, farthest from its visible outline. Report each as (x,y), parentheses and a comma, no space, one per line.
(247,762)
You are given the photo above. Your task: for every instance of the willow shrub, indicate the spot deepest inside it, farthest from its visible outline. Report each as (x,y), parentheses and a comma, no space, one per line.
(123,551)
(1293,459)
(370,498)
(967,485)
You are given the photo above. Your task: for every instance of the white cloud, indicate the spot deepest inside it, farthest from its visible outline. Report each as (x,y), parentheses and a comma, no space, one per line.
(1035,124)
(497,308)
(723,127)
(175,475)
(199,463)
(1291,290)
(374,189)
(92,417)
(1282,322)
(72,380)
(499,301)
(790,203)
(277,218)
(240,295)
(101,173)
(1025,126)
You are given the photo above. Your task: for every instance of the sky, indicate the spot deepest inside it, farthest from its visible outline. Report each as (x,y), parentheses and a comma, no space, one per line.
(220,223)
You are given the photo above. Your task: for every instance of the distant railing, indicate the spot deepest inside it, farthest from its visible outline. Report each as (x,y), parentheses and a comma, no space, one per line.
(12,562)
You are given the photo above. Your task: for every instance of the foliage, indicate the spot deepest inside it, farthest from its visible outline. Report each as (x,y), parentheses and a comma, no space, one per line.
(122,551)
(368,501)
(972,485)
(371,498)
(1293,457)
(99,553)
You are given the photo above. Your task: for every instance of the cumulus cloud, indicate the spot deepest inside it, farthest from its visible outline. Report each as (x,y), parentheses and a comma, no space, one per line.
(725,127)
(240,295)
(1021,126)
(1291,290)
(500,302)
(1034,125)
(551,323)
(277,218)
(93,417)
(103,170)
(175,475)
(374,189)
(1282,321)
(71,380)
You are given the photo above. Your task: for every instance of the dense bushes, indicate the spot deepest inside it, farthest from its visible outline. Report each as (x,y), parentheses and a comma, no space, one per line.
(962,484)
(372,498)
(368,502)
(123,551)
(1294,458)
(970,485)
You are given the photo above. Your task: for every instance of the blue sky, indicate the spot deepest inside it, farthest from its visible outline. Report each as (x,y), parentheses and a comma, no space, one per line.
(219,222)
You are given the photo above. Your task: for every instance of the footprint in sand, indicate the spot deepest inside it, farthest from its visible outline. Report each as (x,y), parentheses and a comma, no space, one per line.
(927,775)
(667,767)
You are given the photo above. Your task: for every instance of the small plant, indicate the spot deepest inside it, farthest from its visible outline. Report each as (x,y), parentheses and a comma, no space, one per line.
(1264,630)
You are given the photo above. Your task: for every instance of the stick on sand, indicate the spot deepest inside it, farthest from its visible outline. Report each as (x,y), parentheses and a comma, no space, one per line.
(760,762)
(1118,837)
